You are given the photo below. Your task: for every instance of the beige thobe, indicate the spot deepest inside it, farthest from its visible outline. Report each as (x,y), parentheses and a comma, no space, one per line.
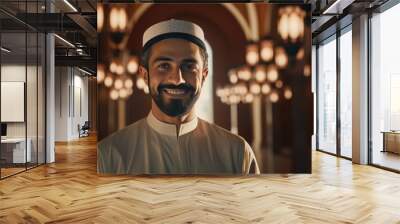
(150,146)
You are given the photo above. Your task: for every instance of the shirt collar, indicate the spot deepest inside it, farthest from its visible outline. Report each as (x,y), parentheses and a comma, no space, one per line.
(170,129)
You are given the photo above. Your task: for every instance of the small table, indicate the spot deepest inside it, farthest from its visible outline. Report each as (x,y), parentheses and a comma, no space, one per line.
(391,141)
(13,150)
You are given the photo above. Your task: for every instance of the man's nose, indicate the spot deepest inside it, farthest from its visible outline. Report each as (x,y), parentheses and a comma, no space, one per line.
(176,77)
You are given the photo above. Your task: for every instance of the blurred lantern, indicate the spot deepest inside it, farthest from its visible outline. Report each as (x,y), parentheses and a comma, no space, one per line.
(272,73)
(278,84)
(252,54)
(244,73)
(291,23)
(266,88)
(108,81)
(300,54)
(255,88)
(114,94)
(260,73)
(140,83)
(129,91)
(267,50)
(100,73)
(118,24)
(232,76)
(128,83)
(118,84)
(119,69)
(248,98)
(133,64)
(123,93)
(100,17)
(220,92)
(118,19)
(233,99)
(281,59)
(288,93)
(307,70)
(113,66)
(274,97)
(146,89)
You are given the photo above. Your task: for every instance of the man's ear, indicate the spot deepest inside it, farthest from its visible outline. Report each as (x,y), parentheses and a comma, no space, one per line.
(205,74)
(143,73)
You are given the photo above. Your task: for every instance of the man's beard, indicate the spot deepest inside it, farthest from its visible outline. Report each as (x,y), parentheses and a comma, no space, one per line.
(172,106)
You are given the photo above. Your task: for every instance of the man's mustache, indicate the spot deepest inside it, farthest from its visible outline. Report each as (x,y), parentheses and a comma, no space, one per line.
(182,86)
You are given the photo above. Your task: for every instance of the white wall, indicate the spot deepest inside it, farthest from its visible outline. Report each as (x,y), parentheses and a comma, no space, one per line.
(71,93)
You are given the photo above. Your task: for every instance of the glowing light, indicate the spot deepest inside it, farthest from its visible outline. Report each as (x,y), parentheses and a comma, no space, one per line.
(146,89)
(291,23)
(266,88)
(133,65)
(255,88)
(307,70)
(118,19)
(123,93)
(267,50)
(300,54)
(100,73)
(100,17)
(108,81)
(128,83)
(244,73)
(114,94)
(272,73)
(279,84)
(118,84)
(140,83)
(288,94)
(119,69)
(281,59)
(260,73)
(252,54)
(232,77)
(248,98)
(274,97)
(113,66)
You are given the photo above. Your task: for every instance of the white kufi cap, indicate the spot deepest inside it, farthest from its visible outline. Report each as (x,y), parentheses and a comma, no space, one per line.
(173,29)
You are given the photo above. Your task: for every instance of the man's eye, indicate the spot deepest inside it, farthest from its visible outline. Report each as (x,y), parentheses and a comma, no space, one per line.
(190,67)
(163,66)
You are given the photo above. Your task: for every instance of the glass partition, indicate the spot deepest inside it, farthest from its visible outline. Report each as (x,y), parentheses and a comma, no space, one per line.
(385,89)
(22,89)
(326,96)
(346,93)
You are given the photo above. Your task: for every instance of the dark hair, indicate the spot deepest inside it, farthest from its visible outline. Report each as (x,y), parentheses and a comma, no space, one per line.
(144,59)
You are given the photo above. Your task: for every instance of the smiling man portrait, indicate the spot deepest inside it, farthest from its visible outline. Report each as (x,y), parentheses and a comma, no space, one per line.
(172,139)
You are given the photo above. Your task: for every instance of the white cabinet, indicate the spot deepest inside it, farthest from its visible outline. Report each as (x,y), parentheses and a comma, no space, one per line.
(16,147)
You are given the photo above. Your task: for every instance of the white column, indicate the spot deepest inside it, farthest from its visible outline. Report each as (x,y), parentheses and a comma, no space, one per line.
(360,90)
(50,100)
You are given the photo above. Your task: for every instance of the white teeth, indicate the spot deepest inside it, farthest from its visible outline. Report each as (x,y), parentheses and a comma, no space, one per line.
(175,91)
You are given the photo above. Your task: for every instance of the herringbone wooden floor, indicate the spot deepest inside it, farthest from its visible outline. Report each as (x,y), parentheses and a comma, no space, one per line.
(70,191)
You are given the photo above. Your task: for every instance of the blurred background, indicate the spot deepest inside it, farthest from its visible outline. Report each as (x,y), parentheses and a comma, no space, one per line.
(259,83)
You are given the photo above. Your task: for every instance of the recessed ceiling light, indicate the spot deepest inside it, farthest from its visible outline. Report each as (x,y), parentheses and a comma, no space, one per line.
(5,50)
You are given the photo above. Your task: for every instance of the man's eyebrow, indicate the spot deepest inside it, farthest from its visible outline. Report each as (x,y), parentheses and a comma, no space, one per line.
(165,58)
(190,60)
(162,58)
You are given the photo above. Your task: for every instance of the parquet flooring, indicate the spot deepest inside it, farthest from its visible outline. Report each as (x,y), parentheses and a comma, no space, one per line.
(70,191)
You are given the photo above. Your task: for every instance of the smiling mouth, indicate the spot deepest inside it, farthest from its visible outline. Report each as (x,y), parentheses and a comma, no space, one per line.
(175,92)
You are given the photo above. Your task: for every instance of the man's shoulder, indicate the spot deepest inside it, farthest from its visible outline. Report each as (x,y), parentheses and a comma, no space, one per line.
(123,135)
(221,132)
